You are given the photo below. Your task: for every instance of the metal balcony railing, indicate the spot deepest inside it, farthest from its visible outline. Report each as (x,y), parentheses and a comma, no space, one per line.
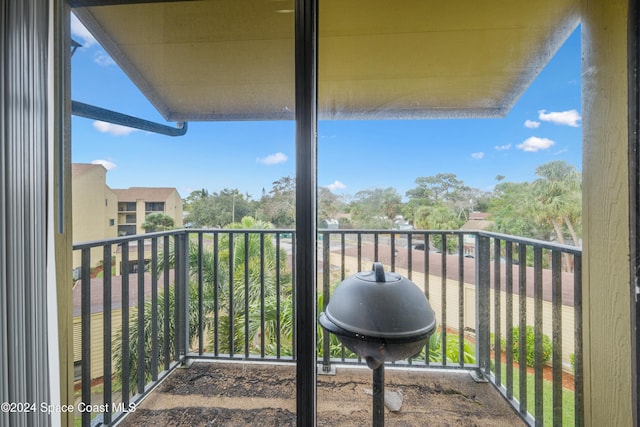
(145,304)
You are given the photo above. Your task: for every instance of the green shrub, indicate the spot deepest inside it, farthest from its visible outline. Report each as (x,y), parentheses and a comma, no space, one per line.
(547,346)
(572,358)
(452,351)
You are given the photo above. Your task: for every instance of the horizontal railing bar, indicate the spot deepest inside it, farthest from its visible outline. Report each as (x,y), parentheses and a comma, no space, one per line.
(195,356)
(574,250)
(389,232)
(238,230)
(125,239)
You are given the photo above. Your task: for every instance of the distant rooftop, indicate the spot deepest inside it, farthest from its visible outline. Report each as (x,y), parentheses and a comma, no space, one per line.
(478,215)
(477,221)
(81,168)
(143,193)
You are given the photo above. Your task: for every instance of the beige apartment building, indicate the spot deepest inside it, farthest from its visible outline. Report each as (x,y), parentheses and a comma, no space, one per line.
(100,212)
(94,207)
(135,203)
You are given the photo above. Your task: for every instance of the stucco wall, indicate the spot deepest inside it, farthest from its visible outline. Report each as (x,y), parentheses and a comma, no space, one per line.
(173,208)
(93,205)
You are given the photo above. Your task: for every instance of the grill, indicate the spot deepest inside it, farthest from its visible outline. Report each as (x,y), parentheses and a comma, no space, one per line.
(382,317)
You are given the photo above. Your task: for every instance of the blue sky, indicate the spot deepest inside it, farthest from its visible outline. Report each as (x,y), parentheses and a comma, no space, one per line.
(543,126)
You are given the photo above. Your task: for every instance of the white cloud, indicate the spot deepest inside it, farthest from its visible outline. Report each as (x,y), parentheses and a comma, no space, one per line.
(534,144)
(567,118)
(116,130)
(273,159)
(531,124)
(477,155)
(102,59)
(502,147)
(336,185)
(79,31)
(106,163)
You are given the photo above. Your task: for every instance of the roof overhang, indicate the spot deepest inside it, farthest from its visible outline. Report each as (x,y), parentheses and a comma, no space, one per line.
(234,60)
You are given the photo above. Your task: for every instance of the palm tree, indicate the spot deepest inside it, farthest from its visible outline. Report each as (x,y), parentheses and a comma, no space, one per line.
(148,308)
(257,255)
(558,192)
(262,289)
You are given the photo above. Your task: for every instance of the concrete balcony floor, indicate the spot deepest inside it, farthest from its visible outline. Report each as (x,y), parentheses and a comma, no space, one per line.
(252,394)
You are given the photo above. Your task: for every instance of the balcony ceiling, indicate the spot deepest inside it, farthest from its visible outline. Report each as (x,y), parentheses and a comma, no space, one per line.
(233,60)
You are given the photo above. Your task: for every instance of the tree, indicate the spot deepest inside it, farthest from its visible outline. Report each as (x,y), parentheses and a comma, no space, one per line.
(259,260)
(157,222)
(202,212)
(511,210)
(120,352)
(329,204)
(442,189)
(469,200)
(194,196)
(437,218)
(547,209)
(431,190)
(279,206)
(261,264)
(558,192)
(376,208)
(218,209)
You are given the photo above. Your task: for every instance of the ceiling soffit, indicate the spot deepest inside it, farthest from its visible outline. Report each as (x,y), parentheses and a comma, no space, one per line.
(233,60)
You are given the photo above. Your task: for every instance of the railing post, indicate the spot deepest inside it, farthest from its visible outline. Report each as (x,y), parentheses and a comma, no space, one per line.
(483,282)
(185,280)
(107,332)
(326,368)
(85,307)
(182,294)
(140,347)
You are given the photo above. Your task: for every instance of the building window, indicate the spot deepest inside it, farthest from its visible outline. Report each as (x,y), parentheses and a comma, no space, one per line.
(127,206)
(112,222)
(154,206)
(126,230)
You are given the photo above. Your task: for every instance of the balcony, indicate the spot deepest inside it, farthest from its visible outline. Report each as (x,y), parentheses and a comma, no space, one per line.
(221,303)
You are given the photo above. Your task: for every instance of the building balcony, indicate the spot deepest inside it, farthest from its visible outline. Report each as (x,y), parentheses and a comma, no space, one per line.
(220,303)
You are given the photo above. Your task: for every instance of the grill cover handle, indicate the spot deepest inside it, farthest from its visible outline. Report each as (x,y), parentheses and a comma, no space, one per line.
(378,268)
